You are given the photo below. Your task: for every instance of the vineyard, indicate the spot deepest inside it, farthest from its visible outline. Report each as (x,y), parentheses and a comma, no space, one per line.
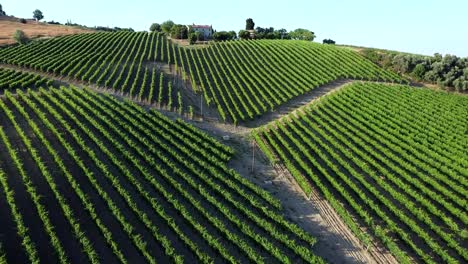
(243,79)
(91,172)
(12,80)
(389,158)
(123,62)
(86,177)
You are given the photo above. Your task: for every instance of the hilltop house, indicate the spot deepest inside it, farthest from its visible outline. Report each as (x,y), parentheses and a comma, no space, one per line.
(205,30)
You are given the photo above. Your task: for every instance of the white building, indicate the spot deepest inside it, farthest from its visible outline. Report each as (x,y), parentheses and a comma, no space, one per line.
(205,30)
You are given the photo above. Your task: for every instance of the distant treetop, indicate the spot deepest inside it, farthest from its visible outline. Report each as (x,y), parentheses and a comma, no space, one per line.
(2,13)
(155,27)
(166,26)
(249,24)
(37,14)
(302,34)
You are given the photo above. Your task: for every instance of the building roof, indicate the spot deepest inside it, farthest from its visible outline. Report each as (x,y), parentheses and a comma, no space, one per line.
(201,26)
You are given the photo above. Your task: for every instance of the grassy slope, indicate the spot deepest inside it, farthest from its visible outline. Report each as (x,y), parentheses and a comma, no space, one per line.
(33,30)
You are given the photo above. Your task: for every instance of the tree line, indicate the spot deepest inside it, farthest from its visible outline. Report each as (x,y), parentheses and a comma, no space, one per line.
(449,71)
(179,31)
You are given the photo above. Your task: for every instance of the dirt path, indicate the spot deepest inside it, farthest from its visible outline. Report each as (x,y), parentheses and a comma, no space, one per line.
(298,102)
(336,243)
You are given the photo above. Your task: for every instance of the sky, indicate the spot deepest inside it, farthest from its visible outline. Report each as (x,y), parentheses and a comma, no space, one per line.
(416,26)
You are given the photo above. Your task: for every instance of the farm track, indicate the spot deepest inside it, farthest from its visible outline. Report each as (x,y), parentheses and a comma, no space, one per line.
(336,243)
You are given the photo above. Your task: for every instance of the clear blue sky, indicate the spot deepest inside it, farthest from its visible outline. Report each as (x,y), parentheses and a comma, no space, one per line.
(418,26)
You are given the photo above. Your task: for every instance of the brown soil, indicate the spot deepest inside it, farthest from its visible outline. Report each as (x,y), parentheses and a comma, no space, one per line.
(33,30)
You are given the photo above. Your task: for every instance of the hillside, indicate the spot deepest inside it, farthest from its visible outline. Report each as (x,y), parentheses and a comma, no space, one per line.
(119,184)
(390,158)
(33,30)
(124,147)
(242,79)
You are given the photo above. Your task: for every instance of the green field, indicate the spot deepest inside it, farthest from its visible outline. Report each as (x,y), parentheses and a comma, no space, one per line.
(88,178)
(390,158)
(242,79)
(92,172)
(245,79)
(117,61)
(11,80)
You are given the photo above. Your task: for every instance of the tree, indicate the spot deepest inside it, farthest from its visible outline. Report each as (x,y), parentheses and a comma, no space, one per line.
(232,35)
(2,13)
(155,27)
(167,26)
(37,14)
(419,71)
(244,34)
(249,24)
(224,35)
(193,37)
(328,41)
(302,34)
(179,32)
(20,37)
(283,33)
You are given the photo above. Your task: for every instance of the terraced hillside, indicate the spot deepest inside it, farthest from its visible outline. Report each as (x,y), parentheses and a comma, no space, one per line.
(243,79)
(391,159)
(86,177)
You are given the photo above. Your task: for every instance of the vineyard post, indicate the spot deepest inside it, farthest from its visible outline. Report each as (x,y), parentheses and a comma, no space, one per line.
(201,105)
(253,156)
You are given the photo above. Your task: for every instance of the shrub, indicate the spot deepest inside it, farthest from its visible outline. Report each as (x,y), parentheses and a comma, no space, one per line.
(20,37)
(155,27)
(22,20)
(193,37)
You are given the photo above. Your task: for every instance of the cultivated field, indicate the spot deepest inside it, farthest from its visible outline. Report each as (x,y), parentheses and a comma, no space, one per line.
(123,62)
(88,178)
(392,159)
(242,79)
(93,169)
(11,80)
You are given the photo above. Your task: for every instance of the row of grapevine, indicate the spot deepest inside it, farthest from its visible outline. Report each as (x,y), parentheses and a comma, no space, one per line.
(248,78)
(12,80)
(244,79)
(357,148)
(110,182)
(122,61)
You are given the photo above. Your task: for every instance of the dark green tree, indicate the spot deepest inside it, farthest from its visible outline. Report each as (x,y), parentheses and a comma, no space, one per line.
(2,13)
(193,37)
(155,27)
(328,41)
(37,14)
(302,34)
(249,24)
(224,35)
(166,26)
(244,34)
(179,32)
(419,71)
(283,33)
